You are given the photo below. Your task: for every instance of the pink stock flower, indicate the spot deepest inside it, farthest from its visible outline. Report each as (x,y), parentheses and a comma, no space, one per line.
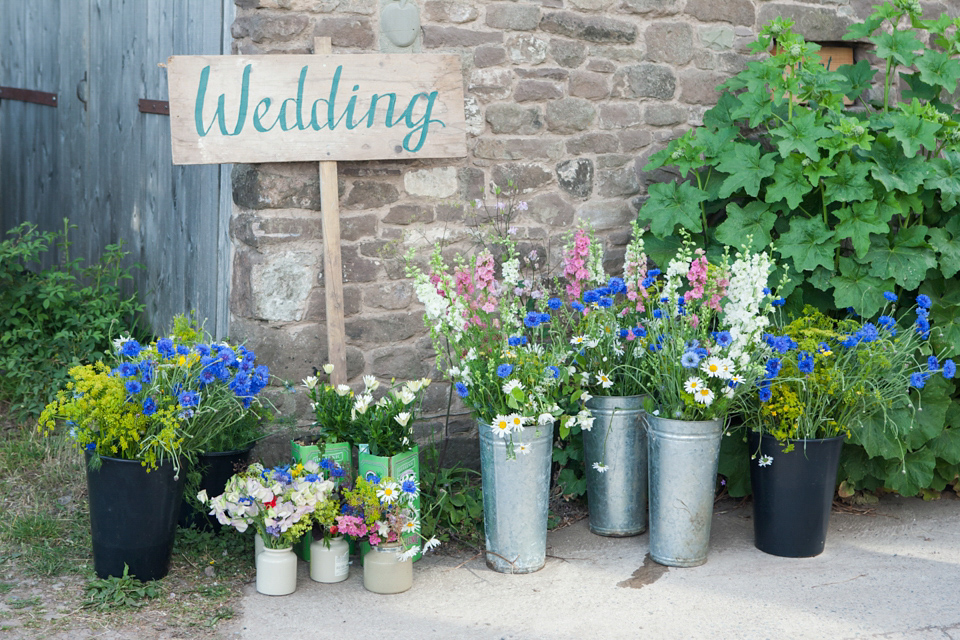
(697,276)
(574,269)
(374,539)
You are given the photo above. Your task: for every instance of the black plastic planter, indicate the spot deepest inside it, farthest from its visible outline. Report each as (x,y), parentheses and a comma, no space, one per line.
(133,517)
(792,494)
(215,469)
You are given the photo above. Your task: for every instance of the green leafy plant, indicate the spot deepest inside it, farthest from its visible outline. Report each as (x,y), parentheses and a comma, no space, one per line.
(857,199)
(451,502)
(120,592)
(57,317)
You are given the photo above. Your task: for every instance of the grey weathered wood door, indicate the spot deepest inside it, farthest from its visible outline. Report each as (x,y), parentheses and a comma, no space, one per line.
(98,160)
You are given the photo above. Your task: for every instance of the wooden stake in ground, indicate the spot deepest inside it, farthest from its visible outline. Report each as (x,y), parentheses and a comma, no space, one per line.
(332,264)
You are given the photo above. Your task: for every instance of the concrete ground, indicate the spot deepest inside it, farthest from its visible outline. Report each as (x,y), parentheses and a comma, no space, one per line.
(893,573)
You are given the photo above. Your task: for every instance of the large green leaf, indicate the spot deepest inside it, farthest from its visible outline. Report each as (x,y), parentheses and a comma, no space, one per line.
(945,318)
(718,117)
(755,220)
(789,183)
(857,222)
(946,178)
(913,474)
(947,445)
(800,134)
(755,107)
(948,246)
(914,132)
(809,243)
(817,171)
(850,183)
(905,259)
(898,45)
(938,68)
(859,77)
(662,250)
(746,167)
(855,287)
(927,422)
(673,203)
(876,438)
(893,168)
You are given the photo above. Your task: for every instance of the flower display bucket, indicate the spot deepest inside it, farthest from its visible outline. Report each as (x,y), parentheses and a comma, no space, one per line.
(617,497)
(682,459)
(133,517)
(277,572)
(215,469)
(330,564)
(793,494)
(399,467)
(384,572)
(516,496)
(339,452)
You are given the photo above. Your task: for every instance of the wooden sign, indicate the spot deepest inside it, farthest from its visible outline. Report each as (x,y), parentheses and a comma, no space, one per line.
(315,107)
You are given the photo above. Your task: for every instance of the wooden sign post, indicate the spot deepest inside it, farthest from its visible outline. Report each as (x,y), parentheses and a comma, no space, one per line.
(324,108)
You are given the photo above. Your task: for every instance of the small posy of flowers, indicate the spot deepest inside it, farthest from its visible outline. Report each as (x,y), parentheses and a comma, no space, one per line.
(280,503)
(385,424)
(827,377)
(382,511)
(158,401)
(333,408)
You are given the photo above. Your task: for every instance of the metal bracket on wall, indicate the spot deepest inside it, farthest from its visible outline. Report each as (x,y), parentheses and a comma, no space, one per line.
(159,107)
(28,95)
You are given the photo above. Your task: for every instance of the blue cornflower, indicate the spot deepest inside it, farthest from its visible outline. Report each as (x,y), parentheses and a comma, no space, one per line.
(128,369)
(165,347)
(183,350)
(783,344)
(723,339)
(604,291)
(888,323)
(462,390)
(851,340)
(923,313)
(532,320)
(202,349)
(274,530)
(372,478)
(577,306)
(409,486)
(133,386)
(504,370)
(605,303)
(767,291)
(681,306)
(149,407)
(890,295)
(923,327)
(664,300)
(189,399)
(259,379)
(240,385)
(544,318)
(516,341)
(311,477)
(917,380)
(778,302)
(824,347)
(923,301)
(246,500)
(773,367)
(657,313)
(653,273)
(591,296)
(700,351)
(640,332)
(805,361)
(624,333)
(146,372)
(130,348)
(690,359)
(337,472)
(282,474)
(647,282)
(554,303)
(555,370)
(655,346)
(91,446)
(617,286)
(932,363)
(691,344)
(764,394)
(949,369)
(327,464)
(869,333)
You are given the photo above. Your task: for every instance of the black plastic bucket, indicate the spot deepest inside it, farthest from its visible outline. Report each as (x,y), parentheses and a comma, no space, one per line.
(792,494)
(215,469)
(133,517)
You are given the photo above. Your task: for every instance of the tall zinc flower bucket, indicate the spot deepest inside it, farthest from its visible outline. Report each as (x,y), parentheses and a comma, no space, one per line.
(516,496)
(683,457)
(617,496)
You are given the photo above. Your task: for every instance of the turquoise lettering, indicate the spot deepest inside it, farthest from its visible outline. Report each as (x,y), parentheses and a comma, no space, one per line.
(220,114)
(423,124)
(372,112)
(257,115)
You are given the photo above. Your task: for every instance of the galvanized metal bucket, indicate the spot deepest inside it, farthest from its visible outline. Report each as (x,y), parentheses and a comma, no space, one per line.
(516,495)
(683,456)
(617,496)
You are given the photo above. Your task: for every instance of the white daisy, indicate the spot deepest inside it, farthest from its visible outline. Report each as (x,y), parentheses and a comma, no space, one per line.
(693,384)
(712,367)
(409,553)
(501,426)
(600,467)
(524,449)
(604,380)
(410,526)
(726,368)
(737,379)
(729,393)
(510,385)
(585,420)
(517,422)
(389,492)
(704,396)
(431,544)
(578,340)
(765,461)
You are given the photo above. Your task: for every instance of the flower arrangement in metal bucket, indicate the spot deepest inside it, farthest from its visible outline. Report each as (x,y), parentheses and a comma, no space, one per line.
(381,510)
(849,377)
(157,402)
(704,325)
(494,337)
(280,503)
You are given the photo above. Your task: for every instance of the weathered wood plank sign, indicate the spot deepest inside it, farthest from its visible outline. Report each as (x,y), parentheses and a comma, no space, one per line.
(315,107)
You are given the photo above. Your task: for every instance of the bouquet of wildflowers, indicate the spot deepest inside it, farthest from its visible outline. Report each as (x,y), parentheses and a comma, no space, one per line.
(608,323)
(495,338)
(280,503)
(333,408)
(829,377)
(158,401)
(381,510)
(386,425)
(704,331)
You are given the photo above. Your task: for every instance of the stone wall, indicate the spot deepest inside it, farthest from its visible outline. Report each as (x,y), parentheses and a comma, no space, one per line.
(566,98)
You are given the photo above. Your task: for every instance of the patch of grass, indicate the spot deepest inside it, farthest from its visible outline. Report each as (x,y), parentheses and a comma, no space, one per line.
(23,603)
(120,592)
(6,587)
